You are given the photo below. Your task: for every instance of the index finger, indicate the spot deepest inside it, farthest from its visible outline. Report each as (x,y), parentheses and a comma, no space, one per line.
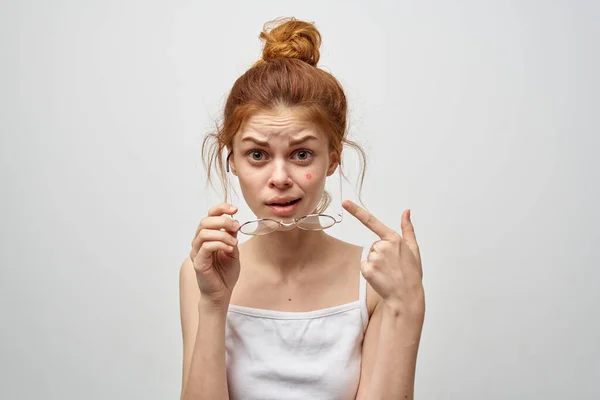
(223,208)
(369,220)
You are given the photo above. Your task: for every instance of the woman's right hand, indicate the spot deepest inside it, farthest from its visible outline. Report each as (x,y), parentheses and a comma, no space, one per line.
(215,254)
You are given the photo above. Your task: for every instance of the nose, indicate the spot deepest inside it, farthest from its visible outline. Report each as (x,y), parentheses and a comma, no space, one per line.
(280,178)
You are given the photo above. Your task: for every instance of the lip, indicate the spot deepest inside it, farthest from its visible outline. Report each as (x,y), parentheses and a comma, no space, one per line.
(281,199)
(283,211)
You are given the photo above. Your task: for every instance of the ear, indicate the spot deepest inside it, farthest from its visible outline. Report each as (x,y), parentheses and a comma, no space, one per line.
(333,163)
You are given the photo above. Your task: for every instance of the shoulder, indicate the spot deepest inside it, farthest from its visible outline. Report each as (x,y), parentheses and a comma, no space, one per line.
(340,247)
(186,271)
(189,293)
(354,252)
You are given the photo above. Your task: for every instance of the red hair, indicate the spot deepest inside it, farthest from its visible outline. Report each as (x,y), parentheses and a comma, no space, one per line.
(286,76)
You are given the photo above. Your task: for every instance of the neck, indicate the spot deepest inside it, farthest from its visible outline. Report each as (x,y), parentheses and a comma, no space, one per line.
(289,254)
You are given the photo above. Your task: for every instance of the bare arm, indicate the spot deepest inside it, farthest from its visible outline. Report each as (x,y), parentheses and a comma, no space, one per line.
(394,270)
(203,328)
(389,356)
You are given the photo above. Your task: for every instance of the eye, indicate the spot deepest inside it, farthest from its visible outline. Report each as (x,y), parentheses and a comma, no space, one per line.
(256,155)
(304,155)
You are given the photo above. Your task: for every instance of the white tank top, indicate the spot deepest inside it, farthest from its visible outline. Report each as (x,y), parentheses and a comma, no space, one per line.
(279,355)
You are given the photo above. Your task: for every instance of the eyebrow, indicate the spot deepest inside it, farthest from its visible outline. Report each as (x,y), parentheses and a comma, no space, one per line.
(293,142)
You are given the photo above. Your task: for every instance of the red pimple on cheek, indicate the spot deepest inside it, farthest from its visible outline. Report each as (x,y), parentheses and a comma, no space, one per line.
(308,176)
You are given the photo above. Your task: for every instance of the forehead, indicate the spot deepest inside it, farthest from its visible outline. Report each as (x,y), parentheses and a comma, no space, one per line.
(281,124)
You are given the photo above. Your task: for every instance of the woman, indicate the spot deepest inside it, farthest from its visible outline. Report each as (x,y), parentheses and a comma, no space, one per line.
(277,317)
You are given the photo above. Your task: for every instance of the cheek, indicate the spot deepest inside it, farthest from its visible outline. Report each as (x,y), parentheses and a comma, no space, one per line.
(251,185)
(312,181)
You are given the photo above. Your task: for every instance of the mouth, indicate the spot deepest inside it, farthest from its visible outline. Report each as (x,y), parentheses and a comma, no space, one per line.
(284,208)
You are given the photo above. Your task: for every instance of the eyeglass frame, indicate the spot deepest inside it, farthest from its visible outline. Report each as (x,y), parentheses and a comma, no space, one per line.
(296,220)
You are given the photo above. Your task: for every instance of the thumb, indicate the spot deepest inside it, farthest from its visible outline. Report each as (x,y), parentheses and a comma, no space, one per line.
(408,234)
(408,230)
(236,251)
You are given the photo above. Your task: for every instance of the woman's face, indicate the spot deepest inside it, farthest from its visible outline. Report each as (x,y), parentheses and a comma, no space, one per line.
(281,162)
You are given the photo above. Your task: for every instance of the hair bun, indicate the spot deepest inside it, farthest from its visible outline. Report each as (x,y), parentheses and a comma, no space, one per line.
(291,38)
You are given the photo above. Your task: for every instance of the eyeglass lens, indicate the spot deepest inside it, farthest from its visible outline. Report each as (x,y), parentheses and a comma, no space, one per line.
(309,223)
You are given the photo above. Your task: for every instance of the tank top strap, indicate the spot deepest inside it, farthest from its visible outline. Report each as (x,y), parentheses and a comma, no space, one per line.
(362,292)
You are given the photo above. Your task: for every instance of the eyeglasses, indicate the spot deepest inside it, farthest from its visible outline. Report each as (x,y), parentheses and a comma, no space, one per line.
(310,222)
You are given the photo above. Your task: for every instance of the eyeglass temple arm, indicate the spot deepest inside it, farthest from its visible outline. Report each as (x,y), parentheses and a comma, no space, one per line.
(341,213)
(227,160)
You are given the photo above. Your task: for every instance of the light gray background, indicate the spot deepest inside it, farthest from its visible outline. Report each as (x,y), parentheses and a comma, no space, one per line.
(482,117)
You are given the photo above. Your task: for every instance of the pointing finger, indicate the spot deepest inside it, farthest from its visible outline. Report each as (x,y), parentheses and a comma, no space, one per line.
(369,220)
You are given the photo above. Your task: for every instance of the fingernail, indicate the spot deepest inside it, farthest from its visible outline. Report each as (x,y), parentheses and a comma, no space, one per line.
(408,213)
(236,225)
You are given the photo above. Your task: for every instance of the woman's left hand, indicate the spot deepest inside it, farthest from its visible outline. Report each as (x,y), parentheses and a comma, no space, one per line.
(393,267)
